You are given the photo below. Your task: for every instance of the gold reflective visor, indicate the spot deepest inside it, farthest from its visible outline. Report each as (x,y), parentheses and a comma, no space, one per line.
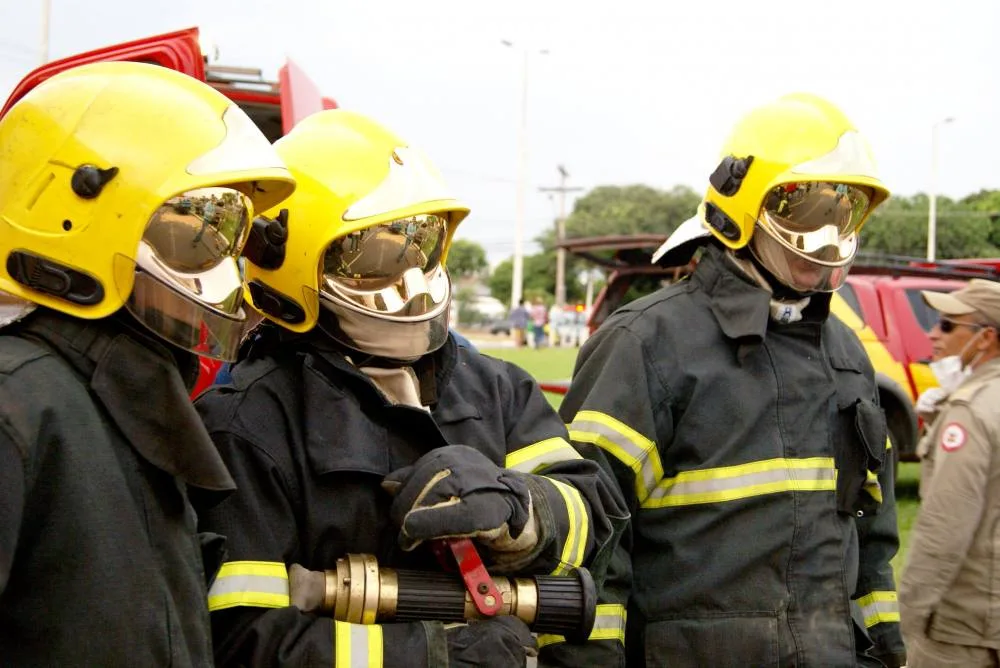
(194,230)
(188,288)
(815,219)
(393,268)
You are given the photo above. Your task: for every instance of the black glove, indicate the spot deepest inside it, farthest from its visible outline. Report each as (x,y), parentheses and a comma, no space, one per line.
(500,642)
(456,491)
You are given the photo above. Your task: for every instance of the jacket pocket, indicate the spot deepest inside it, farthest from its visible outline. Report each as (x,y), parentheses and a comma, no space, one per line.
(860,456)
(733,641)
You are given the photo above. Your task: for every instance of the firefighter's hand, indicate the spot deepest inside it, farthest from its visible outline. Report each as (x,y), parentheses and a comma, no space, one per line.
(499,642)
(456,491)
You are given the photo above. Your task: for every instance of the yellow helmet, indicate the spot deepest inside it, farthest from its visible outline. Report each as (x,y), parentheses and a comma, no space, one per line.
(365,235)
(131,184)
(800,171)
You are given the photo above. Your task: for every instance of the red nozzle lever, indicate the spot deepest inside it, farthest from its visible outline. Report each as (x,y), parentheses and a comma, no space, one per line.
(485,595)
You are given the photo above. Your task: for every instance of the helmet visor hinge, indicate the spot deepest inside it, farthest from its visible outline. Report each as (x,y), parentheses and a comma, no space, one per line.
(728,176)
(265,246)
(88,180)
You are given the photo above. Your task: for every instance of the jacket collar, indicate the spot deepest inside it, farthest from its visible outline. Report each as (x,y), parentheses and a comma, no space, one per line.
(985,372)
(136,380)
(741,307)
(329,378)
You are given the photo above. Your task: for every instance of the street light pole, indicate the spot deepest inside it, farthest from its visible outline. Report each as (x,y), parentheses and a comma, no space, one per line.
(46,14)
(517,278)
(932,195)
(517,275)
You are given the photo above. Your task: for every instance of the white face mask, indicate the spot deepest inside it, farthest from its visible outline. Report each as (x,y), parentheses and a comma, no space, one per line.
(950,372)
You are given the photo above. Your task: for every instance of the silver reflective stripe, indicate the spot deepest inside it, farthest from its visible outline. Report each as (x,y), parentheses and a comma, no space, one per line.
(878,607)
(728,483)
(249,583)
(537,456)
(357,645)
(260,584)
(577,528)
(748,480)
(624,443)
(609,624)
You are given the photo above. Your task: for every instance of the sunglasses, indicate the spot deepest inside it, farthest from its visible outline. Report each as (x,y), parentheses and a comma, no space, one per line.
(948,326)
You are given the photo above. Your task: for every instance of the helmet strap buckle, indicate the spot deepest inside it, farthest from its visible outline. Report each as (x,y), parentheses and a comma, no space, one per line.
(275,304)
(53,278)
(721,223)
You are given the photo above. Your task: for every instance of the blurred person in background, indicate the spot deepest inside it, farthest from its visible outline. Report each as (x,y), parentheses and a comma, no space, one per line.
(949,593)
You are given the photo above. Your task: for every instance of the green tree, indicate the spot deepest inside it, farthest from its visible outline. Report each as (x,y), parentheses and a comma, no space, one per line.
(466,258)
(605,210)
(987,202)
(539,278)
(500,280)
(632,209)
(467,312)
(964,228)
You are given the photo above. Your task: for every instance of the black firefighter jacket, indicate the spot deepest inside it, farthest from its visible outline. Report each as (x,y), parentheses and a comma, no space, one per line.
(754,459)
(100,564)
(309,439)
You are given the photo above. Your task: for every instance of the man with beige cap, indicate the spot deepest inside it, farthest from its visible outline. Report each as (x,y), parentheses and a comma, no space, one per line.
(950,592)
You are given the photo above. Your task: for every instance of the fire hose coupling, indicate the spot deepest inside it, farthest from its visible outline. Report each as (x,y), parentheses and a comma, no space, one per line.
(361,592)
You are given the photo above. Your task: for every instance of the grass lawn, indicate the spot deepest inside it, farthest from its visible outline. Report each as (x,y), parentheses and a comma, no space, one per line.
(557,364)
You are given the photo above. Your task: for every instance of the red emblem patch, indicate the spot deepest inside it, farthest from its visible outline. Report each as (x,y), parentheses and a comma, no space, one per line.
(953,437)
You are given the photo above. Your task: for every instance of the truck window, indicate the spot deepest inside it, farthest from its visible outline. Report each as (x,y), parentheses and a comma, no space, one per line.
(851,297)
(926,316)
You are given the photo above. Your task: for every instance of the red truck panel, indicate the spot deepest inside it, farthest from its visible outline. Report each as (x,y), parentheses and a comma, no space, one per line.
(177,50)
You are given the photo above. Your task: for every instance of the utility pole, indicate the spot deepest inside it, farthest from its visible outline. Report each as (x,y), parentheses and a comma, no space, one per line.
(562,189)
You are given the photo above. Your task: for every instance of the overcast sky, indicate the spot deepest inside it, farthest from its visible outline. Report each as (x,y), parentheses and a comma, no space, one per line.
(630,91)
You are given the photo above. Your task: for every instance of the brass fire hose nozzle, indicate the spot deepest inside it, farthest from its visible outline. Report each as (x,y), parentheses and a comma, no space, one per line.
(361,592)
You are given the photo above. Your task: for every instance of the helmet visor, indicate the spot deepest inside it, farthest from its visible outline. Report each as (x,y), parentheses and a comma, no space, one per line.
(797,271)
(194,230)
(393,268)
(188,286)
(816,220)
(184,322)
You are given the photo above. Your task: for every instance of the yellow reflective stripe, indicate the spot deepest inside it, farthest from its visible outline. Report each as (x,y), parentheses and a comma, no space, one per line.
(623,443)
(878,607)
(357,645)
(888,443)
(537,456)
(257,584)
(576,536)
(609,624)
(728,483)
(872,486)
